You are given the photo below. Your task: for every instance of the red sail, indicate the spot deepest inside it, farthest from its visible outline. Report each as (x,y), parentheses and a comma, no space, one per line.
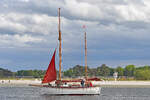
(51,71)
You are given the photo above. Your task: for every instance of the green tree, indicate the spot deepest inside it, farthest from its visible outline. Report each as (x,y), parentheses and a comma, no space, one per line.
(75,71)
(92,72)
(68,73)
(98,72)
(35,74)
(5,73)
(104,70)
(78,70)
(28,73)
(20,73)
(120,71)
(142,74)
(129,70)
(1,73)
(112,70)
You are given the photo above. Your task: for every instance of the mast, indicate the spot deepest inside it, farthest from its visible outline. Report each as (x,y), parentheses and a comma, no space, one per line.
(85,56)
(60,55)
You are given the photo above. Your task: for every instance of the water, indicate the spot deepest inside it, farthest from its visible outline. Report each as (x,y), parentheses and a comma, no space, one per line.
(107,93)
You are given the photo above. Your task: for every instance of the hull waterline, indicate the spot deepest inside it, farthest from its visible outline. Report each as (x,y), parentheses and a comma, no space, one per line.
(70,91)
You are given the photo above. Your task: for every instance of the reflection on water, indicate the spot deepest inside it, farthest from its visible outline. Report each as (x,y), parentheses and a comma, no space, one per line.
(50,97)
(32,93)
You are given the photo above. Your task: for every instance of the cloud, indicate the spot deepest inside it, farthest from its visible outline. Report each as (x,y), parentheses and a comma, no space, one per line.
(27,23)
(82,9)
(117,30)
(11,41)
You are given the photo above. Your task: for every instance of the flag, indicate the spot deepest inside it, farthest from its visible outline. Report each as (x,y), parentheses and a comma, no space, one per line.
(84,26)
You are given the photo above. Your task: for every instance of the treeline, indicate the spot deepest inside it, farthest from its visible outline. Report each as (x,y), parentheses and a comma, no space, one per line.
(102,70)
(138,73)
(30,73)
(5,73)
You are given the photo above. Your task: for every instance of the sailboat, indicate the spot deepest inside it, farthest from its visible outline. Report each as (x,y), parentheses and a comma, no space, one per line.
(52,85)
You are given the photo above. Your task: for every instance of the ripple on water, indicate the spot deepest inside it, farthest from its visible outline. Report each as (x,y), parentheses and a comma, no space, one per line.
(111,93)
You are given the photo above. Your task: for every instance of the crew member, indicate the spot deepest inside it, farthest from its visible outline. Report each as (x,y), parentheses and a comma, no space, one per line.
(82,83)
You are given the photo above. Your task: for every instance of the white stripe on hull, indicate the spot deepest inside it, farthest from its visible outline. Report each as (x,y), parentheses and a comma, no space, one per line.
(69,91)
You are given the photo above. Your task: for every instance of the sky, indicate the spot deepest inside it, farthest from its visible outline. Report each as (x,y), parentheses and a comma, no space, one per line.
(118,32)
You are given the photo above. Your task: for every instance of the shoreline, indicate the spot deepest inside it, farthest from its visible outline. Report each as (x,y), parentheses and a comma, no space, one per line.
(122,83)
(97,83)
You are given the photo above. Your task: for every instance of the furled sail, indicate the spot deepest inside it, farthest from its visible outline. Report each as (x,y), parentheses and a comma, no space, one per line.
(50,74)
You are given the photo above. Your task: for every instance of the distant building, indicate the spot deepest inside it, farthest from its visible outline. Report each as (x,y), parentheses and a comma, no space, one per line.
(115,75)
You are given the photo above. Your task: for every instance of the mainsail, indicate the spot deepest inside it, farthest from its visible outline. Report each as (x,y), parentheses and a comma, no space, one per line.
(50,74)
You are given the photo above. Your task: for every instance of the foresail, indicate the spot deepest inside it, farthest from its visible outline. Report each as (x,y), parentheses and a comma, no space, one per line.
(50,74)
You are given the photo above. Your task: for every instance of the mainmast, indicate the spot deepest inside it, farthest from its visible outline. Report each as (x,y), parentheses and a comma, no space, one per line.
(85,55)
(60,56)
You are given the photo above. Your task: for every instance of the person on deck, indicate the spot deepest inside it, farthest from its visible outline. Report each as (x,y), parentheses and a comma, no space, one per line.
(82,83)
(49,84)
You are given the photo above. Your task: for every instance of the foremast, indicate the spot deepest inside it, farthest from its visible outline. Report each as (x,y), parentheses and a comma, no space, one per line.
(60,54)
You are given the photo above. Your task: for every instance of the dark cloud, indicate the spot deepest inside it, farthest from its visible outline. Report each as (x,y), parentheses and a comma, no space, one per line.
(117,32)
